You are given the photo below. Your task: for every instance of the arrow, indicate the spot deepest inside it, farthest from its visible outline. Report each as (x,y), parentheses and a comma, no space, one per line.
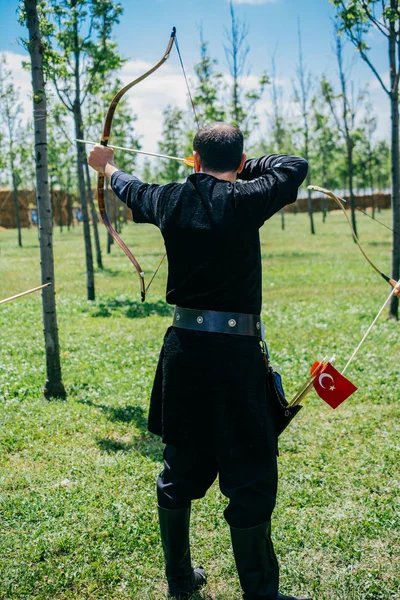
(25,293)
(189,161)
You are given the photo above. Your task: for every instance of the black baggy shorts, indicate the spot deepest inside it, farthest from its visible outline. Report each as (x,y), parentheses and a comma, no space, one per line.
(248,481)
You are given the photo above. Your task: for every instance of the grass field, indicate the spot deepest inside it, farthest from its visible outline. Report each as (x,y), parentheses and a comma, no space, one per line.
(77,479)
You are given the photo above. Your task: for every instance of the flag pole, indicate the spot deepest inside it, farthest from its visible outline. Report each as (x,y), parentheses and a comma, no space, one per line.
(306,384)
(352,357)
(309,384)
(40,287)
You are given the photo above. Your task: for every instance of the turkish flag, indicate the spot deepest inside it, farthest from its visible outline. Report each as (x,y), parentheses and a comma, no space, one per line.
(332,387)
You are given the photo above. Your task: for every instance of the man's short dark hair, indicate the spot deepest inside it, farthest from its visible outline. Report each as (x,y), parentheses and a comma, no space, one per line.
(220,147)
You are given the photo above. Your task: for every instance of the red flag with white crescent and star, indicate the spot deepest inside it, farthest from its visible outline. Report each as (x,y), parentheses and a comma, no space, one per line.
(332,386)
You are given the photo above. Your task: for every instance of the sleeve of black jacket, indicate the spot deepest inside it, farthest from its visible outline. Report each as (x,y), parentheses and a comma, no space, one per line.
(142,198)
(271,182)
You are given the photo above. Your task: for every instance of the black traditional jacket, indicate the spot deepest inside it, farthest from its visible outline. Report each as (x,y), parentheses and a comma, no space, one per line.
(211,384)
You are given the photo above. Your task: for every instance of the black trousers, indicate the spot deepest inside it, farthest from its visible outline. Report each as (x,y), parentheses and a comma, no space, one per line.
(248,480)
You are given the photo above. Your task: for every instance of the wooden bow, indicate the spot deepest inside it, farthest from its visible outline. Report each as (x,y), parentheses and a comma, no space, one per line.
(104,142)
(338,201)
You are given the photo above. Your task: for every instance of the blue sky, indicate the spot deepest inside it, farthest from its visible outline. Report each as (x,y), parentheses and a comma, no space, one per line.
(145,27)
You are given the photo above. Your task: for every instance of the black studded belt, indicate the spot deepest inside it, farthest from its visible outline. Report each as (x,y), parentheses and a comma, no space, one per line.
(217,321)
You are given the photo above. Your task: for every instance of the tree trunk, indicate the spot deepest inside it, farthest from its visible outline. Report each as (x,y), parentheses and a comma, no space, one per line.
(81,159)
(115,213)
(54,387)
(110,239)
(371,187)
(394,104)
(282,219)
(349,145)
(82,195)
(324,184)
(309,201)
(394,113)
(60,206)
(94,217)
(70,220)
(16,205)
(27,208)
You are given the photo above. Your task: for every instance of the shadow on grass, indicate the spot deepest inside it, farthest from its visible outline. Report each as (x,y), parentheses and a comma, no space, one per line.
(132,309)
(380,243)
(107,272)
(145,443)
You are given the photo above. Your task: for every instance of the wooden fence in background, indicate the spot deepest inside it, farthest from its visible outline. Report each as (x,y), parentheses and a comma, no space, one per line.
(66,207)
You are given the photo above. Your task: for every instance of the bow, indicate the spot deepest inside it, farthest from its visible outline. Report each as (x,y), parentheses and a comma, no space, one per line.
(104,142)
(338,201)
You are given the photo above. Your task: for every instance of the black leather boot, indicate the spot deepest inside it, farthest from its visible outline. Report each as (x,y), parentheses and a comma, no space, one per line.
(182,579)
(256,562)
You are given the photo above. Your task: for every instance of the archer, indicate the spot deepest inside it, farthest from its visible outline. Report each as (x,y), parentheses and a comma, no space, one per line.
(209,402)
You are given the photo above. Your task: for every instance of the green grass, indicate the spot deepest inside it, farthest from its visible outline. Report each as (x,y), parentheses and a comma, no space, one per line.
(77,478)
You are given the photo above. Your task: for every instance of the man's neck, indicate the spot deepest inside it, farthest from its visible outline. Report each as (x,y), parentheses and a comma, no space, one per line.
(228,176)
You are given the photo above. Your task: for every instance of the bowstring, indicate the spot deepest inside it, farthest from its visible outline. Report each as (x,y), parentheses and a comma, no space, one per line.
(198,127)
(364,212)
(187,83)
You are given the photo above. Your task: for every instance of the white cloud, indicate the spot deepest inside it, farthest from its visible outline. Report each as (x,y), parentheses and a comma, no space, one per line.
(21,78)
(149,98)
(166,86)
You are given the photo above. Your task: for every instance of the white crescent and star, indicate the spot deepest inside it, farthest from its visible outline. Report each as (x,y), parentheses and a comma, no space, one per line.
(321,381)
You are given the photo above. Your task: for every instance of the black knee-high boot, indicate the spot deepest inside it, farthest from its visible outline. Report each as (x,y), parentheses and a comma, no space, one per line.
(183,580)
(257,564)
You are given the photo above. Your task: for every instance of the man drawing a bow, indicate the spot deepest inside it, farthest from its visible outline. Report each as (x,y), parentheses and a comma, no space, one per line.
(209,401)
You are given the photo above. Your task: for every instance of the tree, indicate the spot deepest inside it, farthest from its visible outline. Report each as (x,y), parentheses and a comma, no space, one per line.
(303,96)
(171,144)
(279,126)
(242,105)
(325,144)
(358,18)
(10,115)
(208,87)
(54,387)
(147,173)
(343,107)
(365,150)
(59,155)
(77,65)
(382,166)
(26,156)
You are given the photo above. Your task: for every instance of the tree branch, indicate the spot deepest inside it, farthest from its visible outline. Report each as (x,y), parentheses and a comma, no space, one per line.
(356,41)
(375,21)
(68,104)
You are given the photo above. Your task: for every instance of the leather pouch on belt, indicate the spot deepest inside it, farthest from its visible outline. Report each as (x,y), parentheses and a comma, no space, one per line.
(282,412)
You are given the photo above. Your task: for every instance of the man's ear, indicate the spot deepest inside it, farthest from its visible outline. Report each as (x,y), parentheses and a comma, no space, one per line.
(240,169)
(197,161)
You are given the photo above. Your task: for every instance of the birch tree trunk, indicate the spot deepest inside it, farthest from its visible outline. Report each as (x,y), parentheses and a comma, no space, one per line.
(54,387)
(394,102)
